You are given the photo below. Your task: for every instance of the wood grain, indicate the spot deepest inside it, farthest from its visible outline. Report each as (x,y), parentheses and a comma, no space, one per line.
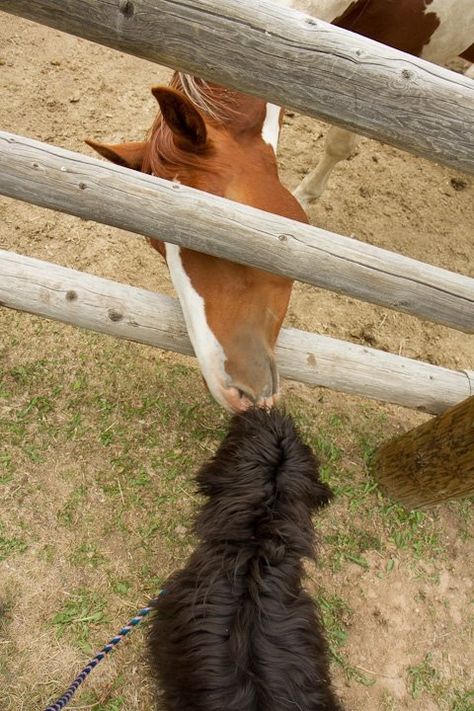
(289,58)
(431,463)
(74,183)
(98,304)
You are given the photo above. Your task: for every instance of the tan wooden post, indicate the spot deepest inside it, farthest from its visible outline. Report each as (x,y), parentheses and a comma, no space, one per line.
(433,462)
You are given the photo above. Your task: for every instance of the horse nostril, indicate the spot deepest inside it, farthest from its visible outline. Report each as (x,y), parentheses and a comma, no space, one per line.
(245,394)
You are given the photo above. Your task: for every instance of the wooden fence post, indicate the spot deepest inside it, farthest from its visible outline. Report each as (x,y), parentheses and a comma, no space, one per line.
(433,462)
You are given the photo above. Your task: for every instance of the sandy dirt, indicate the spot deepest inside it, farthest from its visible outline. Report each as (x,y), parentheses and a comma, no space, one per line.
(61,90)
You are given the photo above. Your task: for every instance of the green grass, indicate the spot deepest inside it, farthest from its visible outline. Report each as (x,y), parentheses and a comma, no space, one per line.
(10,545)
(422,677)
(132,440)
(337,617)
(82,611)
(87,553)
(462,700)
(70,514)
(350,545)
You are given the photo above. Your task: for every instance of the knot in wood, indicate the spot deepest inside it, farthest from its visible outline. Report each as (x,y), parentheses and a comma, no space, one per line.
(126,8)
(71,295)
(115,315)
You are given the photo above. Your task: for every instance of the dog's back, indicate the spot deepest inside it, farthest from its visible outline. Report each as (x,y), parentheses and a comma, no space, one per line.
(234,630)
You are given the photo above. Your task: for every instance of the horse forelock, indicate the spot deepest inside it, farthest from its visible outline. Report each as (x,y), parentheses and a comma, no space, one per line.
(217,103)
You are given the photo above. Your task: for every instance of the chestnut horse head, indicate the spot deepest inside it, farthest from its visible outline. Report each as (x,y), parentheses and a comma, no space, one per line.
(222,142)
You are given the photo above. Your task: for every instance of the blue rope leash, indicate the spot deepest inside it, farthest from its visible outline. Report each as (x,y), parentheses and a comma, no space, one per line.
(67,696)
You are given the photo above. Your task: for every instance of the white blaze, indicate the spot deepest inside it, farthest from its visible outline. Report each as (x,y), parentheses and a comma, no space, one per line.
(271,126)
(208,350)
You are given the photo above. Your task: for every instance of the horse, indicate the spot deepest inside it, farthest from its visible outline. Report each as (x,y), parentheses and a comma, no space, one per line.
(223,142)
(435,30)
(234,628)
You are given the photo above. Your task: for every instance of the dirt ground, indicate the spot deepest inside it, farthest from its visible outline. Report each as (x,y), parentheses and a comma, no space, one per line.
(100,438)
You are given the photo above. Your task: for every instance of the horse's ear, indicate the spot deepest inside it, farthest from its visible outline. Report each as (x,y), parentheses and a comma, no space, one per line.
(129,155)
(182,117)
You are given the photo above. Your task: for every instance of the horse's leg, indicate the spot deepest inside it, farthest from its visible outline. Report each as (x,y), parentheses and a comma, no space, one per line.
(340,144)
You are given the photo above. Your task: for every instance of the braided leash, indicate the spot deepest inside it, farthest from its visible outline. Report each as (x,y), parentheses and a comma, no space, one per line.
(67,696)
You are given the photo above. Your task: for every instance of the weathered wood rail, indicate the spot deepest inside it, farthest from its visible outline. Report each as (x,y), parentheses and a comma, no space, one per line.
(289,58)
(80,185)
(431,463)
(98,304)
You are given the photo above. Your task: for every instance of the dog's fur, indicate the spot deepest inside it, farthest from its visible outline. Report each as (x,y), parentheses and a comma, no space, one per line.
(234,630)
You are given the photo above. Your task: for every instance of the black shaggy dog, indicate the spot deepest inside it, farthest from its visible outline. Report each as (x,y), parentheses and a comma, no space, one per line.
(234,630)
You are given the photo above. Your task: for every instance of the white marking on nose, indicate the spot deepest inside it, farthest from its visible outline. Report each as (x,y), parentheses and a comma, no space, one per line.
(271,126)
(209,351)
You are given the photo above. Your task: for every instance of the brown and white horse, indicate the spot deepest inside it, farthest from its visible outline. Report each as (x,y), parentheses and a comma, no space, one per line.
(436,30)
(223,142)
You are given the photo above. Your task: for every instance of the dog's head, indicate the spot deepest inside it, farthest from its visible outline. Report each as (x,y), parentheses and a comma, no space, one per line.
(263,482)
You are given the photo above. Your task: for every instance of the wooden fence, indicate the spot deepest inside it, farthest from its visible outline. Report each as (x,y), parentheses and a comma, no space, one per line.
(85,186)
(231,43)
(126,312)
(289,58)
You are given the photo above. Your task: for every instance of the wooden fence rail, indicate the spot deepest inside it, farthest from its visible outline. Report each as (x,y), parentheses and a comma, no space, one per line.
(74,183)
(289,58)
(98,304)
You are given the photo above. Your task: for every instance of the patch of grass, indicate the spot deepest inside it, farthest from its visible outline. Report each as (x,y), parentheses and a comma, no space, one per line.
(464,511)
(87,553)
(388,702)
(121,586)
(326,447)
(6,608)
(462,701)
(72,512)
(38,406)
(350,545)
(413,530)
(6,468)
(80,614)
(359,493)
(26,372)
(10,545)
(337,617)
(47,553)
(91,700)
(8,649)
(167,526)
(153,582)
(422,677)
(113,705)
